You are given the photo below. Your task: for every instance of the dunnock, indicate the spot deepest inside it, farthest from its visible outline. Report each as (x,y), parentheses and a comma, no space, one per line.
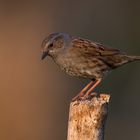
(83,58)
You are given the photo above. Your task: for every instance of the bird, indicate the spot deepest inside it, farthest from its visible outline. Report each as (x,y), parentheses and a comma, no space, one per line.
(84,58)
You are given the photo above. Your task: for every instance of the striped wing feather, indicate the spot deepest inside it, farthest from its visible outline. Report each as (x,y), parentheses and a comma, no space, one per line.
(110,56)
(94,48)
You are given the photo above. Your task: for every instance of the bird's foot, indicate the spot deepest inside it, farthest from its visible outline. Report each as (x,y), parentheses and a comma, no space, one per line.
(90,96)
(82,97)
(78,97)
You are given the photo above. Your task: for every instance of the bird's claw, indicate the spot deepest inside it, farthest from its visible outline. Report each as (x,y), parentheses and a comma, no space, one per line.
(84,97)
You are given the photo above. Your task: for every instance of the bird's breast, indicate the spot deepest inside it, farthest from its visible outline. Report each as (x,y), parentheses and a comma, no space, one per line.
(80,67)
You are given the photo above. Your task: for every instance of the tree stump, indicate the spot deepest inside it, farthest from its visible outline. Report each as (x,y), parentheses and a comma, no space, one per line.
(87,118)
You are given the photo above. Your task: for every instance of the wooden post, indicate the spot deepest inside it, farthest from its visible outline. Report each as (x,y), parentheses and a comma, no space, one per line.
(87,118)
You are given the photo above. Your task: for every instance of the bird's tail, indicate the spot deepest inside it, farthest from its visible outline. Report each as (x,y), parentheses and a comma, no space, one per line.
(133,58)
(124,59)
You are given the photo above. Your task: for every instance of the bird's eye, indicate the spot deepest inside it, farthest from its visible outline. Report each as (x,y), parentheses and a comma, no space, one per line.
(51,45)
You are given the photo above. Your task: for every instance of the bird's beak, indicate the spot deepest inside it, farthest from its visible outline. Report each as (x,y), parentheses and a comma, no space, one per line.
(44,54)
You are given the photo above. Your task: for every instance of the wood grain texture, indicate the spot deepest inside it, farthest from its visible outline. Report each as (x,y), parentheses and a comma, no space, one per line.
(87,118)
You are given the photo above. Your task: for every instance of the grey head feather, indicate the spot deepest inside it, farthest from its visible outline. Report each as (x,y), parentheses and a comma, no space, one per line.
(49,39)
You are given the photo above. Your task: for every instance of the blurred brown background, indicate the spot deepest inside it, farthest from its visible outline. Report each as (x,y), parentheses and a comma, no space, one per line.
(35,94)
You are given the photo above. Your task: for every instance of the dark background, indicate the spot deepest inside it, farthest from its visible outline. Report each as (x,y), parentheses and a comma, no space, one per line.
(35,94)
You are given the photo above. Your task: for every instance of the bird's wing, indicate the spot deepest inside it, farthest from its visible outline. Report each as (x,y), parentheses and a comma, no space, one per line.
(110,56)
(94,48)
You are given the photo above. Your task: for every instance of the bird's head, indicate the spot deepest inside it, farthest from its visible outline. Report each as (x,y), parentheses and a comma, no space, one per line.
(54,44)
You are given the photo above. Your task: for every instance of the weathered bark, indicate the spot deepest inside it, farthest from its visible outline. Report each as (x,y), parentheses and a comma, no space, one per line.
(87,118)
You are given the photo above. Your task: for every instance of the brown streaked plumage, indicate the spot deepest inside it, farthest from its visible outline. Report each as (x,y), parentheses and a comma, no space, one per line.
(83,58)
